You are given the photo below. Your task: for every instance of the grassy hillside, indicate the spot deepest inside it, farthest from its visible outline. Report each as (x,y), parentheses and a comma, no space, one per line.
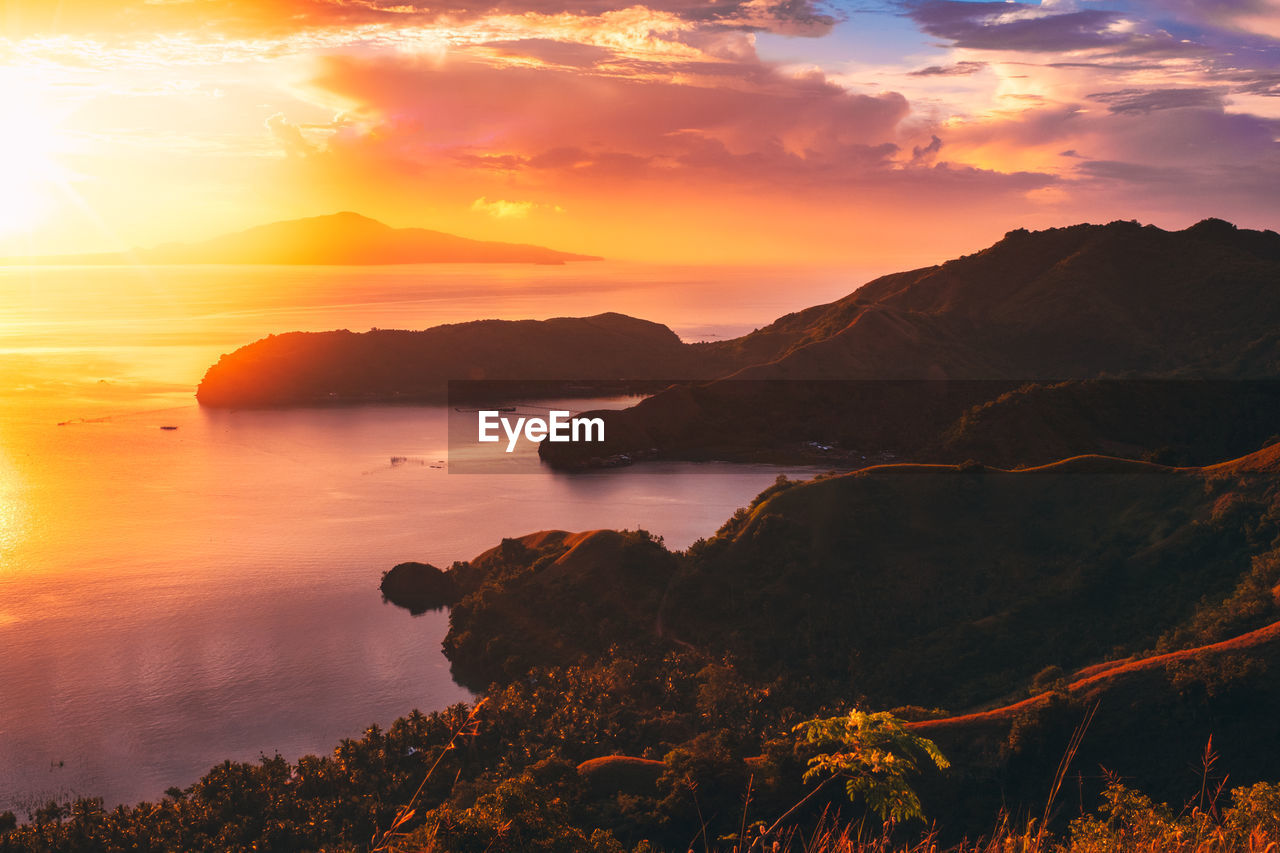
(911,584)
(1013,604)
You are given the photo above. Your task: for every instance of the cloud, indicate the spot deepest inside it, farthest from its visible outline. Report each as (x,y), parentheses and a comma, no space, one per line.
(919,154)
(551,51)
(487,105)
(959,69)
(1247,82)
(1020,27)
(1136,173)
(503,209)
(1138,101)
(289,136)
(769,127)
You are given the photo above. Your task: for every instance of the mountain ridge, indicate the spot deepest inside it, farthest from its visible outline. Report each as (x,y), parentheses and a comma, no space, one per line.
(1086,303)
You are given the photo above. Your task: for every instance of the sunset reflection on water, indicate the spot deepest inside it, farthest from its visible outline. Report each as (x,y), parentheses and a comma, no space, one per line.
(170,598)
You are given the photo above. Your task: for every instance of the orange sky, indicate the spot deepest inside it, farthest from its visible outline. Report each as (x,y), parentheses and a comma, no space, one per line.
(886,133)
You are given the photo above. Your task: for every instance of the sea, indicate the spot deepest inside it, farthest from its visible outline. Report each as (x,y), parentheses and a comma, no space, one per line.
(181,586)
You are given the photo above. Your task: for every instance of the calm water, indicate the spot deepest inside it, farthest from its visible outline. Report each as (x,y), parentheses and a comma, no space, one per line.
(172,598)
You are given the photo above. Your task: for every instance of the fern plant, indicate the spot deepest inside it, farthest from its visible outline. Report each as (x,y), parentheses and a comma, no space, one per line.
(873,753)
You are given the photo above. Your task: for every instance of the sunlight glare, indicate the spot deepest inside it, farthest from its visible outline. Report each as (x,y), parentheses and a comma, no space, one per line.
(30,175)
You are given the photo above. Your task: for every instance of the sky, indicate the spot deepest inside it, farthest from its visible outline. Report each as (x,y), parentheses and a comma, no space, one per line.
(869,132)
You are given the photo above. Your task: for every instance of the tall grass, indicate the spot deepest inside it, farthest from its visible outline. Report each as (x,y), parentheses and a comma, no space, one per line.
(1126,822)
(393,839)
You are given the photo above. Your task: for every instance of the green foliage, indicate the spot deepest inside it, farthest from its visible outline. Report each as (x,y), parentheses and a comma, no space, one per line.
(1254,810)
(1129,820)
(1253,603)
(738,521)
(524,608)
(874,754)
(1051,678)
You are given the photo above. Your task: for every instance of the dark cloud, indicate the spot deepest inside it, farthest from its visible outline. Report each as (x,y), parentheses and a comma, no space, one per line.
(1247,189)
(1251,82)
(920,154)
(1017,26)
(1133,173)
(958,181)
(1190,139)
(959,69)
(788,17)
(987,26)
(1211,10)
(1110,65)
(1141,101)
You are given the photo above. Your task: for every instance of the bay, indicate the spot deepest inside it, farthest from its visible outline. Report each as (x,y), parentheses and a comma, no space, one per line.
(170,598)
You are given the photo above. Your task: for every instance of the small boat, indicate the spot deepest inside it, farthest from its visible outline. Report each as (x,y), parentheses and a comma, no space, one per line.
(168,427)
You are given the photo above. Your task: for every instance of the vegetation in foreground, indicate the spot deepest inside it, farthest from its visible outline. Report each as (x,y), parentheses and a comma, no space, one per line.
(419,787)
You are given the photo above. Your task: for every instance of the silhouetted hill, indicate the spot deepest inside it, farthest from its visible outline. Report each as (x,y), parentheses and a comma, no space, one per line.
(1119,302)
(387,365)
(1066,303)
(340,238)
(1176,422)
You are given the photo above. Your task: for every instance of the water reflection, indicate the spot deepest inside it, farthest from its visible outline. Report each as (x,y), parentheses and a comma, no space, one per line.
(173,598)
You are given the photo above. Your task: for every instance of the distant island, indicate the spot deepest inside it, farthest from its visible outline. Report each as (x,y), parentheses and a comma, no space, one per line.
(338,239)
